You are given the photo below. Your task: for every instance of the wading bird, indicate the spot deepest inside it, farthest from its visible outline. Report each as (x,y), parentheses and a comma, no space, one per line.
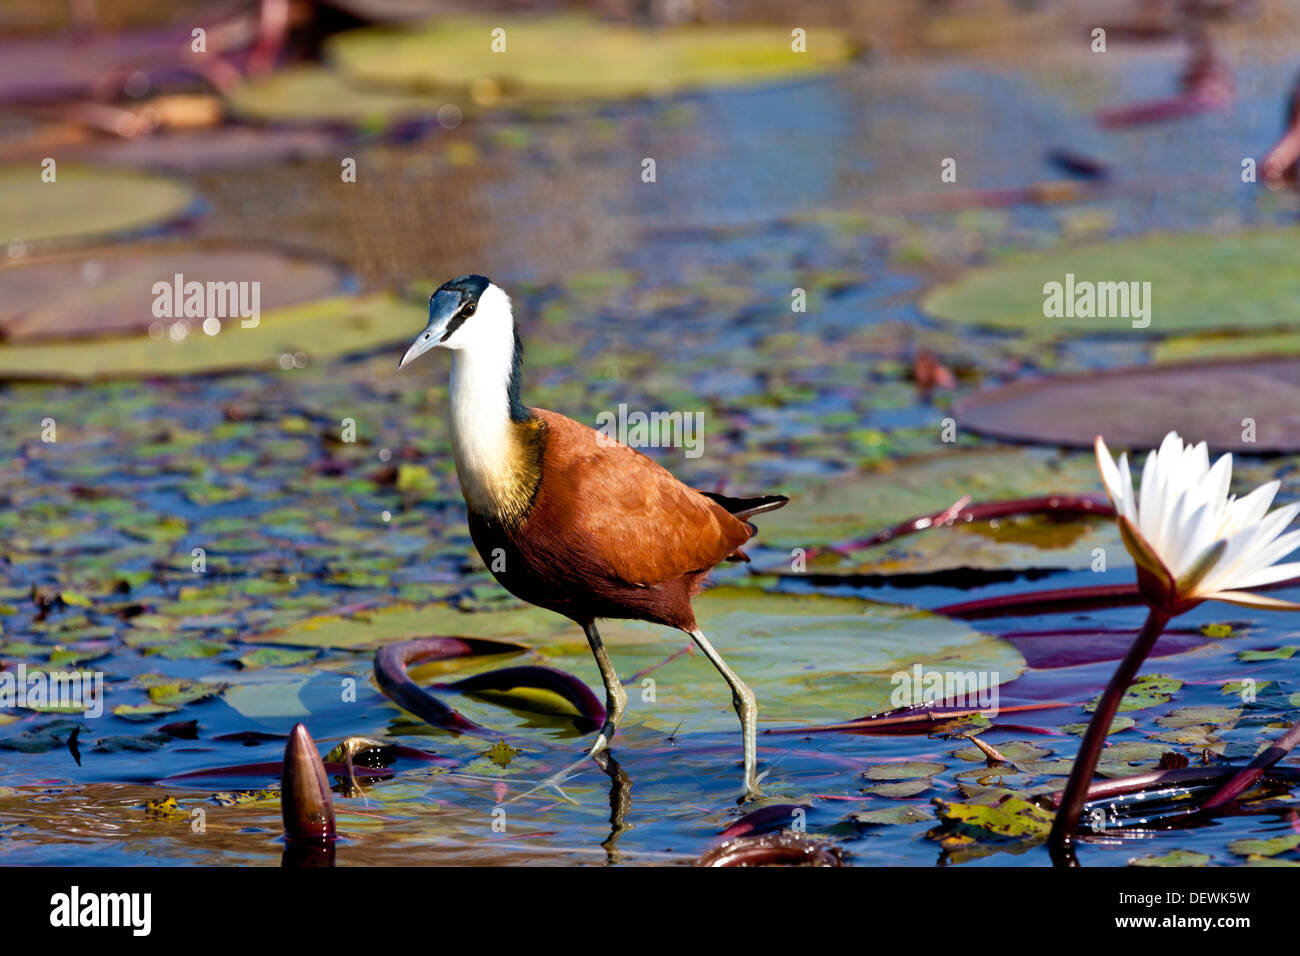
(579,524)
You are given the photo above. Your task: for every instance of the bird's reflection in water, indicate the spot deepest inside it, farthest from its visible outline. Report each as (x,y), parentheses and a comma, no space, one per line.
(620,802)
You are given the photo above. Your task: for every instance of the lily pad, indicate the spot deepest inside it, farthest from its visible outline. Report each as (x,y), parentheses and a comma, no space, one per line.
(909,770)
(313,331)
(567,57)
(1172,858)
(1269,847)
(893,816)
(313,94)
(900,789)
(1209,401)
(85,203)
(1195,283)
(1147,691)
(807,658)
(1011,818)
(378,626)
(110,291)
(847,509)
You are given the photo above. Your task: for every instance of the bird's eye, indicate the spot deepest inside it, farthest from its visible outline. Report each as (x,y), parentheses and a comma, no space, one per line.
(469,309)
(427,334)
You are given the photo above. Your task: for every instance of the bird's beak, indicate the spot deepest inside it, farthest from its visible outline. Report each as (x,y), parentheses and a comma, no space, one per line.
(441,309)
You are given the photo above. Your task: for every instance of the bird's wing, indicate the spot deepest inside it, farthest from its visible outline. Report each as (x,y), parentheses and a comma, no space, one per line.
(635,520)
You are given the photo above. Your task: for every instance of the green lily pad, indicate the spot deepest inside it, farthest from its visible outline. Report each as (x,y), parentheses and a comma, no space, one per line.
(314,331)
(1269,847)
(1198,348)
(847,509)
(900,789)
(400,622)
(908,770)
(312,94)
(1119,723)
(1276,654)
(1206,715)
(893,816)
(84,203)
(178,692)
(1172,858)
(128,743)
(1196,283)
(275,657)
(1147,691)
(1014,750)
(142,712)
(565,57)
(41,739)
(1011,817)
(186,650)
(808,658)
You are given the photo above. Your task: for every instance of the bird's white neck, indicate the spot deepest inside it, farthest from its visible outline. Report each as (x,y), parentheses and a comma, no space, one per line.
(480,423)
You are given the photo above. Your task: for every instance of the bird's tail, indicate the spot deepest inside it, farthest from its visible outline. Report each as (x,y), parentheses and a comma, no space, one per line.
(743,508)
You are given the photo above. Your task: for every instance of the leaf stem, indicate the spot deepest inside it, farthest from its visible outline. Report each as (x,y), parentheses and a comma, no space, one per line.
(1061,839)
(1245,778)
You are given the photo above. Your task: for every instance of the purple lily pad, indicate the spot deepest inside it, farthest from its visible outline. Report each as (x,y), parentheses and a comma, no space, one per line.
(1135,407)
(1068,648)
(110,292)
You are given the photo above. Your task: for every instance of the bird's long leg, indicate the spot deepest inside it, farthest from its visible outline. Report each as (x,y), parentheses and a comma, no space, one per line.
(742,698)
(615,703)
(615,696)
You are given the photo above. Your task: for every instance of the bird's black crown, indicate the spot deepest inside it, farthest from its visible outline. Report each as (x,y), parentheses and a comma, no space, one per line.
(468,287)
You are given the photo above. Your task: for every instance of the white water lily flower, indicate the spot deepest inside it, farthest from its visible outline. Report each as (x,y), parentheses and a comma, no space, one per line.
(1191,540)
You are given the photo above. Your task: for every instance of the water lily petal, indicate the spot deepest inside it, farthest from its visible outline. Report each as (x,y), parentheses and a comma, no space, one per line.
(1202,566)
(1270,575)
(1251,599)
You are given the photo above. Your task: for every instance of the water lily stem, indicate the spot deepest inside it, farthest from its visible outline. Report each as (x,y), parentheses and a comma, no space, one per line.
(1248,775)
(1061,839)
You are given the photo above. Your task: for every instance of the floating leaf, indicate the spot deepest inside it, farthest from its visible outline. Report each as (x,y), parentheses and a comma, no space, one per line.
(1276,654)
(1269,847)
(317,331)
(1147,691)
(111,291)
(893,816)
(832,511)
(142,712)
(1011,817)
(501,753)
(378,626)
(1172,858)
(907,770)
(560,57)
(808,658)
(1119,723)
(178,692)
(900,789)
(1208,400)
(275,657)
(313,94)
(85,203)
(1198,279)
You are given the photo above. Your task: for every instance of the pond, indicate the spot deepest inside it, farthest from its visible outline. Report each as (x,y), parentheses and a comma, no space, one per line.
(228,548)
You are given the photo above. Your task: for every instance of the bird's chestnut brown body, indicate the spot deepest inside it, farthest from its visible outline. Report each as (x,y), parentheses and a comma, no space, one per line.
(607,533)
